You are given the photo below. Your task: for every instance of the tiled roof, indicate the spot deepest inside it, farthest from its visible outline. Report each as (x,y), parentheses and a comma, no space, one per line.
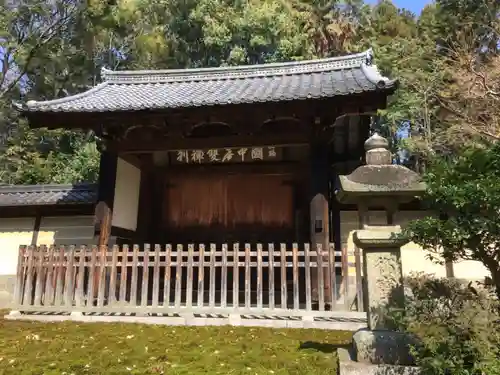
(38,195)
(161,89)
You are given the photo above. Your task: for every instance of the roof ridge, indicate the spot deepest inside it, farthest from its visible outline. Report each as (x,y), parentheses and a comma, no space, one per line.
(243,71)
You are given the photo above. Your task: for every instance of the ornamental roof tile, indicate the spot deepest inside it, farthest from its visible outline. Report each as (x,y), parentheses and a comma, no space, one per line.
(162,89)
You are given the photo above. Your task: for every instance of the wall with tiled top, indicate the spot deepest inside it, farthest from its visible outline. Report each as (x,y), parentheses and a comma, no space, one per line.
(61,230)
(413,257)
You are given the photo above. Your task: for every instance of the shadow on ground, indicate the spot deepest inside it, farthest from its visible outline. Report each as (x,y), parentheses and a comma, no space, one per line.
(320,347)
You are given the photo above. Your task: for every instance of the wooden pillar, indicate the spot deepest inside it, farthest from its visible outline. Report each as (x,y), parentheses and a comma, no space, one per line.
(104,208)
(146,202)
(150,213)
(106,195)
(335,225)
(319,210)
(36,228)
(157,194)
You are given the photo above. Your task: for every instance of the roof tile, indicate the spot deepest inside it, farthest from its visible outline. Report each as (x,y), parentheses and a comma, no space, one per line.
(140,90)
(38,195)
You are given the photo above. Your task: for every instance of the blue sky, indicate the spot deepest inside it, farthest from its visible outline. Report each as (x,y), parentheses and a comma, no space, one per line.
(413,5)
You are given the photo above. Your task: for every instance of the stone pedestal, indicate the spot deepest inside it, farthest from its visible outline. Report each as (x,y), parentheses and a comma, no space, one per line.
(384,291)
(383,271)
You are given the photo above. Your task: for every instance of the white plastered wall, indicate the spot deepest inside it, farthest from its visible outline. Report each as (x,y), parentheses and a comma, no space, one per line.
(126,203)
(413,257)
(14,232)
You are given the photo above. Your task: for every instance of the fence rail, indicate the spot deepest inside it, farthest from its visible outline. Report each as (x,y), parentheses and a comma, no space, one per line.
(246,279)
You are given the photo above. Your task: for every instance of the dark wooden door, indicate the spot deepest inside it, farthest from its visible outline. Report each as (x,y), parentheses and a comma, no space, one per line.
(229,208)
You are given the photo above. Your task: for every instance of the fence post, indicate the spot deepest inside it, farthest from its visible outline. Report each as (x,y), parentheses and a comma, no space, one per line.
(18,287)
(79,290)
(68,282)
(284,286)
(101,291)
(167,276)
(295,268)
(260,290)
(189,277)
(333,276)
(113,275)
(345,276)
(145,275)
(201,276)
(307,263)
(223,296)
(236,275)
(270,271)
(359,279)
(211,295)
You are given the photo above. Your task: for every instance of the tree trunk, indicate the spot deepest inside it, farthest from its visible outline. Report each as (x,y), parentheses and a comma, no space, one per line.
(495,277)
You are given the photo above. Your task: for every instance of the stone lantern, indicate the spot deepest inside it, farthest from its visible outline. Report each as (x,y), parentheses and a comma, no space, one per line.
(377,184)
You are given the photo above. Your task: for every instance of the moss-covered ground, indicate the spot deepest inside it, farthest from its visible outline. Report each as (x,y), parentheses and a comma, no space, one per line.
(123,348)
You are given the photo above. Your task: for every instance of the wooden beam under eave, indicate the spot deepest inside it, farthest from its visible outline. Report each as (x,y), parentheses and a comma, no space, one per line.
(172,144)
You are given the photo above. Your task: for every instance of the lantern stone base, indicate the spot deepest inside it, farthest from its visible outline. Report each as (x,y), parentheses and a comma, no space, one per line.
(354,368)
(383,347)
(378,353)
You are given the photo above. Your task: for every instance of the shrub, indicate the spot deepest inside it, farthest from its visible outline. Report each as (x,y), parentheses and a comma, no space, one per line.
(457,324)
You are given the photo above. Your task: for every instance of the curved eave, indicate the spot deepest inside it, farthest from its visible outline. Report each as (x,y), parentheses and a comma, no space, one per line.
(46,107)
(131,91)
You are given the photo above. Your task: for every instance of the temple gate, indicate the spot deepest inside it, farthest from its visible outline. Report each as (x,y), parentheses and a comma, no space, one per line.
(207,158)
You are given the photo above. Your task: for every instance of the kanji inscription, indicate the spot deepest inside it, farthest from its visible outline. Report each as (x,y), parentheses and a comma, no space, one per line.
(227,155)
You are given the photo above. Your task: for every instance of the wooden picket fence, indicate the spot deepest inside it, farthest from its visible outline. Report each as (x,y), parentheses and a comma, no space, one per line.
(250,279)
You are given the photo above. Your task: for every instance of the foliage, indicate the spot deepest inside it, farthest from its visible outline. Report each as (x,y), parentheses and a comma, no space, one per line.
(465,191)
(457,326)
(51,49)
(41,156)
(103,348)
(44,54)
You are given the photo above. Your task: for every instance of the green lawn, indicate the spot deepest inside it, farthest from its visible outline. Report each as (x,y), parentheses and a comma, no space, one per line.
(101,348)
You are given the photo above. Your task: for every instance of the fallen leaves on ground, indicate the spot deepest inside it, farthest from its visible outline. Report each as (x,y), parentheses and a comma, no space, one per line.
(39,348)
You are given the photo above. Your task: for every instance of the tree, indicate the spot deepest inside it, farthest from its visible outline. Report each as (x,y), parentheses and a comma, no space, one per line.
(457,90)
(331,25)
(406,49)
(459,20)
(470,104)
(47,50)
(162,34)
(465,190)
